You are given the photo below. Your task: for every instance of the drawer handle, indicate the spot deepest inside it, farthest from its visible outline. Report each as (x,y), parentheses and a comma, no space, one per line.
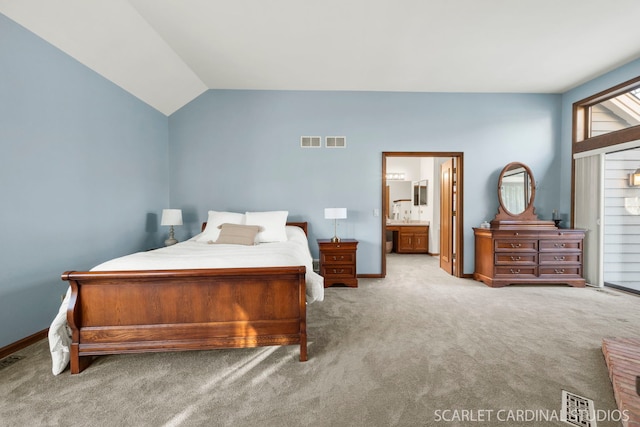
(335,258)
(516,234)
(516,245)
(559,270)
(515,258)
(335,271)
(559,258)
(515,271)
(559,245)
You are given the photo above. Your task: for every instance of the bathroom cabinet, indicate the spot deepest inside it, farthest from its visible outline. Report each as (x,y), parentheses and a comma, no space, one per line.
(410,239)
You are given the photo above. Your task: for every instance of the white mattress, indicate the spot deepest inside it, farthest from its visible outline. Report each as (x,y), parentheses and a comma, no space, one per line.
(193,254)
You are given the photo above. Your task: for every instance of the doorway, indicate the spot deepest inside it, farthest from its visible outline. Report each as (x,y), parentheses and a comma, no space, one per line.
(426,200)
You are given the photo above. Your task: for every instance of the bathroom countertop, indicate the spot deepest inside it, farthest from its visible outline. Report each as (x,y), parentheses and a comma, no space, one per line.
(409,223)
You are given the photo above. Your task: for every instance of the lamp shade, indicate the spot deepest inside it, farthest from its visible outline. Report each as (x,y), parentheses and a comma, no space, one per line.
(171,217)
(335,213)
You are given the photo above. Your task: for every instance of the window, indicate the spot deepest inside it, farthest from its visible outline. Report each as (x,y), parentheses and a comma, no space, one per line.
(620,112)
(605,148)
(608,118)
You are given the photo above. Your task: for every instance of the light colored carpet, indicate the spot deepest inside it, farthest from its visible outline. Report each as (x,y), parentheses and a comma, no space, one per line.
(413,349)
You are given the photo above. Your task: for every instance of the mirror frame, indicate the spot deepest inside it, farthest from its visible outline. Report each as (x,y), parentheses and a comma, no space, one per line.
(506,219)
(530,192)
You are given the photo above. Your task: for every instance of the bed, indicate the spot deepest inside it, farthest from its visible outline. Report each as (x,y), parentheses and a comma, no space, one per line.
(183,298)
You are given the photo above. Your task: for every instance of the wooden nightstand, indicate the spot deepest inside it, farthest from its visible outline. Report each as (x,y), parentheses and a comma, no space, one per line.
(338,262)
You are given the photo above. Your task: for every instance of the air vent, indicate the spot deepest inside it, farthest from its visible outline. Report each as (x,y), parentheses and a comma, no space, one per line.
(8,361)
(310,141)
(577,410)
(336,142)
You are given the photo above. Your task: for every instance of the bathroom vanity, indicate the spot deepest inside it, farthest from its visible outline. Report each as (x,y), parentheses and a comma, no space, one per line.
(410,237)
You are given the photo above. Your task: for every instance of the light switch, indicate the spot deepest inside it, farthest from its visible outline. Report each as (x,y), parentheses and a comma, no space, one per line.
(376,212)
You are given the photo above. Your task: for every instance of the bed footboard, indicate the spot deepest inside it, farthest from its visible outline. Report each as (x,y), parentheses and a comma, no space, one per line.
(114,312)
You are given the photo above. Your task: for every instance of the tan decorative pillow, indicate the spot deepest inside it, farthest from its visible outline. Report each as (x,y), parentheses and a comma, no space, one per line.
(237,234)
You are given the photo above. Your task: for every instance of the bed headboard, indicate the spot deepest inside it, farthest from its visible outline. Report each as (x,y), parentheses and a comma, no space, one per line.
(302,225)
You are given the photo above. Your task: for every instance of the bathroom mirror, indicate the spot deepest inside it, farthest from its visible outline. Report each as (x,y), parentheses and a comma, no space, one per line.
(420,193)
(516,195)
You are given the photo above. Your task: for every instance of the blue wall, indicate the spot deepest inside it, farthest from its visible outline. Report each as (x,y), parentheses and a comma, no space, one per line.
(83,171)
(240,150)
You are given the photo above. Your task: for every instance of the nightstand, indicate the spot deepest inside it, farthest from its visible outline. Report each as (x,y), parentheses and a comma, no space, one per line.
(338,262)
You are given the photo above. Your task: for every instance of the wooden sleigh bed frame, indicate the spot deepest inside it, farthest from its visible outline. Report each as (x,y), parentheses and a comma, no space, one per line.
(116,312)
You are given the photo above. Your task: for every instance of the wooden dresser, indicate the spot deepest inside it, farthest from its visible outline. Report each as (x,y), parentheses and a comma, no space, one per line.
(528,256)
(338,262)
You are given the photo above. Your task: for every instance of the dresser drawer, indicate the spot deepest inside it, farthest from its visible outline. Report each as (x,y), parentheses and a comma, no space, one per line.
(517,271)
(559,258)
(561,271)
(560,245)
(515,235)
(335,271)
(516,258)
(338,257)
(511,245)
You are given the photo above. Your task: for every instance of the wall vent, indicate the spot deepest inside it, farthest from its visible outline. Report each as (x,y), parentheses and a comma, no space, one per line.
(310,141)
(336,142)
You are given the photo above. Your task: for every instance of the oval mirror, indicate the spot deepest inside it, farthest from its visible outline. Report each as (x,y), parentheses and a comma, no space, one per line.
(516,189)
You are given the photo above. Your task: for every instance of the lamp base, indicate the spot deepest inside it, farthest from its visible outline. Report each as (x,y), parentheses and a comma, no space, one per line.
(335,239)
(171,240)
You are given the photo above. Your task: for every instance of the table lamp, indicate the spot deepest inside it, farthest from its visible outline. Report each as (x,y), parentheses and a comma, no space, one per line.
(171,217)
(335,214)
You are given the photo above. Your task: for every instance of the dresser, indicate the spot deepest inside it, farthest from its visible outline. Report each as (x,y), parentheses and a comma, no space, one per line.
(528,256)
(338,262)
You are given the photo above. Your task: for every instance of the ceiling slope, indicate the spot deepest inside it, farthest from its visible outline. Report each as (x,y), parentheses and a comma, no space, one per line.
(167,52)
(111,38)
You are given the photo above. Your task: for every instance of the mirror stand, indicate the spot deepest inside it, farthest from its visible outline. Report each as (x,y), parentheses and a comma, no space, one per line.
(516,196)
(528,219)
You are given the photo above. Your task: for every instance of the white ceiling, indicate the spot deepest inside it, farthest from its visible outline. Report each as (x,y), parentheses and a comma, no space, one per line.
(167,52)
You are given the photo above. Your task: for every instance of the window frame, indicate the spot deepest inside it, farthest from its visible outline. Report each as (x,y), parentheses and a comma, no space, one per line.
(582,121)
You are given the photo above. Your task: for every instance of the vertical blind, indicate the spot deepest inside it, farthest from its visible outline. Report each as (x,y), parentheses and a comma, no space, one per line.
(589,206)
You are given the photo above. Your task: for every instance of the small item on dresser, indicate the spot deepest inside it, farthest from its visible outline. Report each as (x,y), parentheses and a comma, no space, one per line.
(485,224)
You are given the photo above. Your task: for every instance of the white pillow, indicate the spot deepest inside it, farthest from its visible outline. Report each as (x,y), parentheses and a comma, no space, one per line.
(215,220)
(273,225)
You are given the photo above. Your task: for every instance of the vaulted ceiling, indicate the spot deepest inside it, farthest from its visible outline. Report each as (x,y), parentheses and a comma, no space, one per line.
(167,52)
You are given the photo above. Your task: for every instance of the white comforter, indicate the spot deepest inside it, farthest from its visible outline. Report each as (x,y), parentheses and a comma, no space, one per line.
(193,254)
